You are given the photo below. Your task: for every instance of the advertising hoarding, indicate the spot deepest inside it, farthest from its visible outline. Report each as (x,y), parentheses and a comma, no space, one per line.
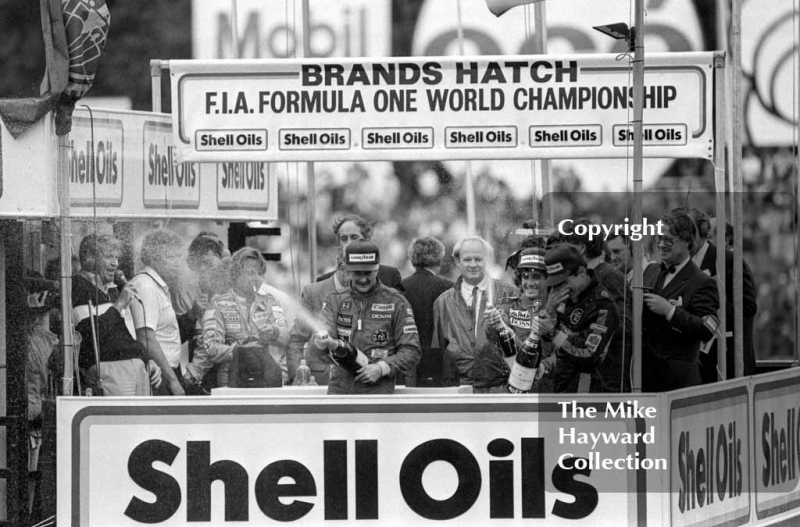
(508,107)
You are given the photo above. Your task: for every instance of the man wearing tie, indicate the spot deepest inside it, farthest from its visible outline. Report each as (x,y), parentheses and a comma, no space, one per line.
(460,322)
(681,303)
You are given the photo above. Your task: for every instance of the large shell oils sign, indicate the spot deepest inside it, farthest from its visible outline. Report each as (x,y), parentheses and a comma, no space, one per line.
(383,460)
(476,107)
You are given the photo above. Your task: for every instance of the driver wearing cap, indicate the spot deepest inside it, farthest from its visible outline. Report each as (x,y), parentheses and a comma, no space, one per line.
(376,320)
(580,319)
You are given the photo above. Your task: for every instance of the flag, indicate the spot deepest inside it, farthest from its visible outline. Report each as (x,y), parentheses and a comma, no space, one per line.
(498,7)
(74,38)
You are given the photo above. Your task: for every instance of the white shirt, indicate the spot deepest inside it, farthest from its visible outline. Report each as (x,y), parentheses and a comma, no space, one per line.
(467,292)
(701,254)
(678,268)
(156,312)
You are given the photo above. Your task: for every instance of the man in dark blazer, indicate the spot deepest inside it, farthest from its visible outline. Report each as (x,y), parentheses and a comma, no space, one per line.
(421,289)
(312,298)
(706,258)
(680,309)
(353,227)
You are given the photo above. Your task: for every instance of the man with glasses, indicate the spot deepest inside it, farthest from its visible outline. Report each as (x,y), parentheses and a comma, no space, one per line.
(681,303)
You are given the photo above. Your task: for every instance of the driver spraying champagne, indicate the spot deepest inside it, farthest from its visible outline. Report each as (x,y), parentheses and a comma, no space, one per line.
(370,332)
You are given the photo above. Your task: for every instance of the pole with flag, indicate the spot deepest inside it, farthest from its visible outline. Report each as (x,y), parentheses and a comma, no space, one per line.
(74,38)
(498,7)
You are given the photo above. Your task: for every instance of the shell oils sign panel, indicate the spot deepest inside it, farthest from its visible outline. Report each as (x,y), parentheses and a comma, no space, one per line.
(167,184)
(777,436)
(96,161)
(387,461)
(710,459)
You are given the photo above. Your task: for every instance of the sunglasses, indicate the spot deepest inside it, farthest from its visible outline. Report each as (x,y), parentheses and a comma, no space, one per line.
(666,241)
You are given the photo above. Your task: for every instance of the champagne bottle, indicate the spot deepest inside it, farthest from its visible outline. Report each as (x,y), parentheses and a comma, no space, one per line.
(348,356)
(523,372)
(505,337)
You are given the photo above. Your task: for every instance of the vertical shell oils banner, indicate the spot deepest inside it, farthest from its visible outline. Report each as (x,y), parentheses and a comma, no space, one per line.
(347,461)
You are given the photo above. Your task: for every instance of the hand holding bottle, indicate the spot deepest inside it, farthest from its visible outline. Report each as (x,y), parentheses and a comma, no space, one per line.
(323,341)
(269,333)
(493,316)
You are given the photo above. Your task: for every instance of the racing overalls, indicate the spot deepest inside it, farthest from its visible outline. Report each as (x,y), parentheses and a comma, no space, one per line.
(585,327)
(231,320)
(381,324)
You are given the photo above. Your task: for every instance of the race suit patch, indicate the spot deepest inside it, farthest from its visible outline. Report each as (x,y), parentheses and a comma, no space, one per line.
(344,333)
(381,316)
(575,316)
(377,354)
(524,324)
(519,314)
(260,316)
(344,320)
(598,328)
(409,329)
(593,341)
(383,307)
(347,305)
(410,311)
(380,336)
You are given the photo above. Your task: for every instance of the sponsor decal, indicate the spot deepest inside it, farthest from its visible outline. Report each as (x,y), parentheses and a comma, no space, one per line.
(410,311)
(277,309)
(344,333)
(593,341)
(598,328)
(383,307)
(520,314)
(347,305)
(208,336)
(381,336)
(410,320)
(524,324)
(576,316)
(230,316)
(233,327)
(344,320)
(409,329)
(377,354)
(226,304)
(258,316)
(531,259)
(362,258)
(381,316)
(555,268)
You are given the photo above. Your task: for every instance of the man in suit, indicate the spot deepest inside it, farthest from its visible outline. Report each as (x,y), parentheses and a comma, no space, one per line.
(460,321)
(680,309)
(706,258)
(354,227)
(300,343)
(421,289)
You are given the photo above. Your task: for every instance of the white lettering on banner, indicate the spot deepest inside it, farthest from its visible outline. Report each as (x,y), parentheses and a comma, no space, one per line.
(710,467)
(386,453)
(167,184)
(96,172)
(299,109)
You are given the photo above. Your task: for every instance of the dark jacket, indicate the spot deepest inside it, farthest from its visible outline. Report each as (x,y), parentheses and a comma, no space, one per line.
(116,342)
(478,359)
(421,289)
(388,275)
(671,348)
(708,360)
